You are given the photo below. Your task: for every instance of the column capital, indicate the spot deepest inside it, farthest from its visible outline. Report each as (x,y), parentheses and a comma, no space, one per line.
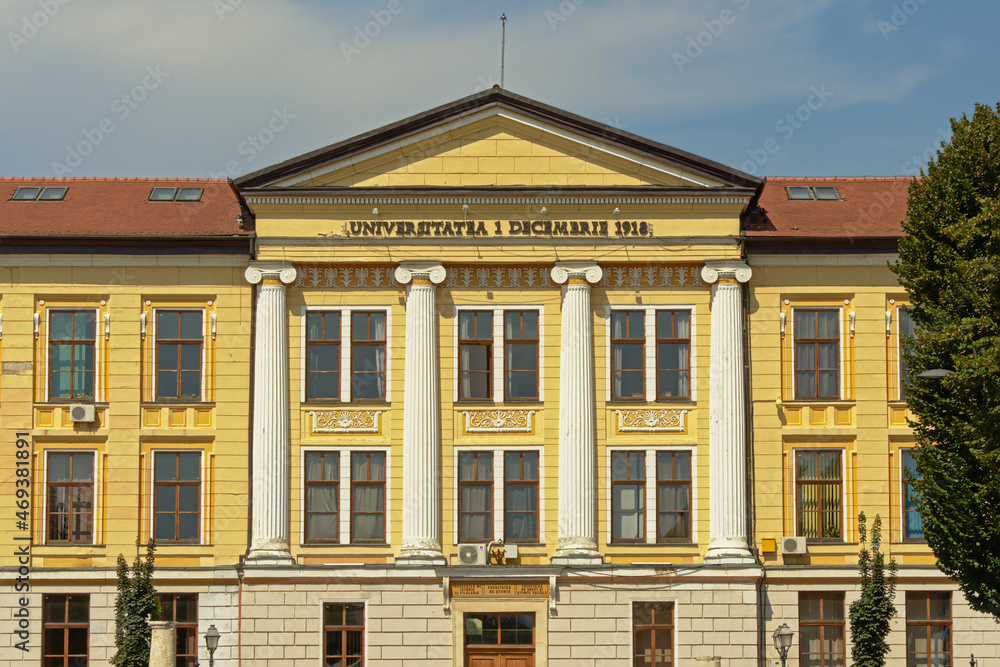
(571,271)
(413,271)
(270,271)
(718,270)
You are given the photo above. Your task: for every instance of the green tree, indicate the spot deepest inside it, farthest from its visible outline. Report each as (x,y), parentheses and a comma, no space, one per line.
(948,262)
(871,613)
(136,600)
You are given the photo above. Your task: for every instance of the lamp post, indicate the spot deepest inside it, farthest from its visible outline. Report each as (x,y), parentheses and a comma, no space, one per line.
(782,641)
(212,643)
(935,373)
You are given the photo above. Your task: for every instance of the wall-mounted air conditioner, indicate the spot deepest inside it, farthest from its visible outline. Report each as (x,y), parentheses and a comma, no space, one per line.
(472,554)
(81,413)
(793,545)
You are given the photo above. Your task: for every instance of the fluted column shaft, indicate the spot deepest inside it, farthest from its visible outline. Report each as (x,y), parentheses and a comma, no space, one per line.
(421,416)
(577,428)
(269,536)
(727,431)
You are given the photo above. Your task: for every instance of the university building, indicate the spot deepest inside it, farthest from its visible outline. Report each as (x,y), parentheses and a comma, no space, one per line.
(492,385)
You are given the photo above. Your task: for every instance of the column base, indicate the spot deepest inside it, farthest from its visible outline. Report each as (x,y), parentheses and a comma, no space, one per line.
(269,557)
(421,558)
(575,555)
(729,551)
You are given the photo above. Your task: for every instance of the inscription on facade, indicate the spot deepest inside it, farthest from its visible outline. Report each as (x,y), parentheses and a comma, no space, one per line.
(500,589)
(498,228)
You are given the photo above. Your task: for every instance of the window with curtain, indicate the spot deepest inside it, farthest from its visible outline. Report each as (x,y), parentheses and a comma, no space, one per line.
(819,486)
(628,356)
(322,356)
(72,352)
(821,622)
(322,496)
(653,634)
(368,497)
(475,354)
(520,479)
(628,493)
(673,354)
(928,629)
(182,609)
(343,634)
(817,354)
(913,523)
(65,630)
(673,496)
(179,339)
(368,356)
(69,508)
(520,333)
(176,496)
(906,331)
(475,496)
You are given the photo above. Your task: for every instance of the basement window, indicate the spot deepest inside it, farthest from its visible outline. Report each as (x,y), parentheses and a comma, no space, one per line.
(176,194)
(39,194)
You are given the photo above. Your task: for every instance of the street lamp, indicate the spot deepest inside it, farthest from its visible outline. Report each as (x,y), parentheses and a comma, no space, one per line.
(212,643)
(935,373)
(782,641)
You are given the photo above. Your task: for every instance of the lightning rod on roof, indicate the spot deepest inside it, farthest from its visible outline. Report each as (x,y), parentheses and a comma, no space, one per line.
(503,42)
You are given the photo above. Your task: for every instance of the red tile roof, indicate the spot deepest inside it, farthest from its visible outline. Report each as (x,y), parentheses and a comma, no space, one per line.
(869,208)
(120,207)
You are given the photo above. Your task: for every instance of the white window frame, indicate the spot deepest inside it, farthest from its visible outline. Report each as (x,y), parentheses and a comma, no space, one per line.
(98,386)
(45,496)
(845,498)
(322,633)
(649,350)
(202,493)
(344,494)
(156,356)
(346,351)
(499,495)
(842,349)
(631,624)
(650,496)
(499,370)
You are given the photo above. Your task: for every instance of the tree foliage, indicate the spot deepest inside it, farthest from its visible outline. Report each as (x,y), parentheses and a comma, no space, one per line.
(871,613)
(136,600)
(949,262)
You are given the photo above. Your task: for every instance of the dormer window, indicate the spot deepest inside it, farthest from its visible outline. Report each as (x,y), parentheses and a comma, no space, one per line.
(822,193)
(39,194)
(176,194)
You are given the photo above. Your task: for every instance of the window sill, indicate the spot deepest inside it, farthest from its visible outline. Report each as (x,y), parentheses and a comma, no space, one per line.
(177,404)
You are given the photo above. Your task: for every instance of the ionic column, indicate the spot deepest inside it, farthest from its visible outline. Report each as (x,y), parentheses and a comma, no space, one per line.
(727,431)
(270,439)
(577,429)
(421,417)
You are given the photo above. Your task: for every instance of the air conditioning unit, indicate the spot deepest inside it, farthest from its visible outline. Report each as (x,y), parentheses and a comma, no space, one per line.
(81,413)
(793,545)
(472,554)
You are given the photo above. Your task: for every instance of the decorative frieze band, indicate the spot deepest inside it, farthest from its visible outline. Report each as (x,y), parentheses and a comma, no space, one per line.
(345,421)
(498,421)
(326,275)
(651,420)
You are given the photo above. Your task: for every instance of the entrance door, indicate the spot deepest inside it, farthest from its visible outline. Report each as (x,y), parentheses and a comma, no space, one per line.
(500,640)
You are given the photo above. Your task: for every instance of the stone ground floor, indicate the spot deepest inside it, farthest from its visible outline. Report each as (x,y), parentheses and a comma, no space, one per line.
(495,616)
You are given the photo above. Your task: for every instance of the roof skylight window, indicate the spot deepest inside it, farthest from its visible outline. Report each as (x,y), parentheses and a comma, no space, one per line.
(176,194)
(826,194)
(797,192)
(823,193)
(53,194)
(39,194)
(189,194)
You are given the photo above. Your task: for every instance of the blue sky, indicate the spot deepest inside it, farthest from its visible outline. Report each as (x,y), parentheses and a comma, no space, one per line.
(773,87)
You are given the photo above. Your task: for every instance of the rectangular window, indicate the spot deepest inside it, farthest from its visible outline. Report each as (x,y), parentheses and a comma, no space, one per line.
(520,480)
(368,356)
(322,496)
(177,496)
(368,497)
(673,354)
(520,335)
(913,523)
(817,354)
(628,493)
(179,338)
(70,497)
(653,634)
(628,356)
(475,496)
(928,629)
(65,630)
(821,622)
(72,349)
(906,330)
(475,354)
(500,630)
(182,609)
(673,496)
(322,356)
(819,490)
(343,634)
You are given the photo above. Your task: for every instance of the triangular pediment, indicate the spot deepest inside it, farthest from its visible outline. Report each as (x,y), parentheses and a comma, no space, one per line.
(497,139)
